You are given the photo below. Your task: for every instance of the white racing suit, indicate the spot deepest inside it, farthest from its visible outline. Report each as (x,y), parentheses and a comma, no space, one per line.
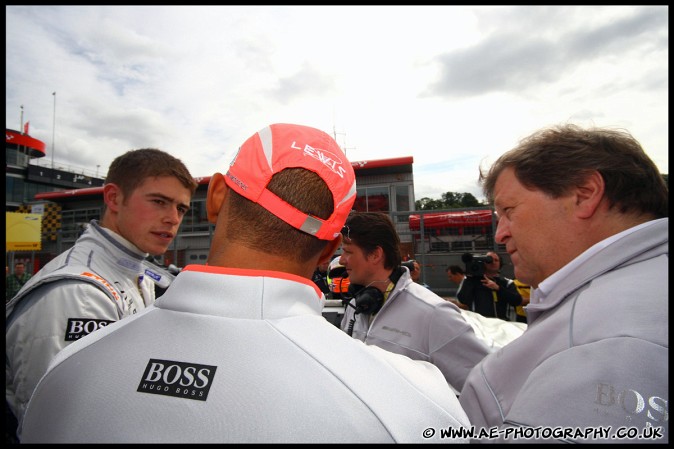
(101,279)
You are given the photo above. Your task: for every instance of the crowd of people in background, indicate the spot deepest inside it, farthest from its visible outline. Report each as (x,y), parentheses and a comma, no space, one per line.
(572,349)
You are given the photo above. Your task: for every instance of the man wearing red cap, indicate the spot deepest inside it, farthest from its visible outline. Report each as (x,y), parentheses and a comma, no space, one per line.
(237,351)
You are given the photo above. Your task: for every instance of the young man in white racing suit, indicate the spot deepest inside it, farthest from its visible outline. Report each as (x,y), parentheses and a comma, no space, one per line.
(388,309)
(583,215)
(237,351)
(104,277)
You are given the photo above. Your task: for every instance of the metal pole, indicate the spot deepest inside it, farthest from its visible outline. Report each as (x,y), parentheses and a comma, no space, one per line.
(12,254)
(21,129)
(53,132)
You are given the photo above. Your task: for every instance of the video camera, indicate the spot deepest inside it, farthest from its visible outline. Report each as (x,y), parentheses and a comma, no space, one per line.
(475,264)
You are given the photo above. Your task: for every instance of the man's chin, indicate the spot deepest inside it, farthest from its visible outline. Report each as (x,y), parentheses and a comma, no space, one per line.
(156,251)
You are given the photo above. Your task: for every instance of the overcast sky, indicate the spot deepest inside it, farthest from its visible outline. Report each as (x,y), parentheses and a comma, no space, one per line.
(452,86)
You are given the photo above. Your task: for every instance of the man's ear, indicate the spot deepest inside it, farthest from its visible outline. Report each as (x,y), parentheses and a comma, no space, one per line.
(330,250)
(217,192)
(376,255)
(589,195)
(113,197)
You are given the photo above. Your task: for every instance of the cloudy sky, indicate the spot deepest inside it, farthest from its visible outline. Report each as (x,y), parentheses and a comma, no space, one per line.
(452,86)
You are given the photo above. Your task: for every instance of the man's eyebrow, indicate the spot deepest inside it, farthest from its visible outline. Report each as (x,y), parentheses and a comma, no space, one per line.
(166,198)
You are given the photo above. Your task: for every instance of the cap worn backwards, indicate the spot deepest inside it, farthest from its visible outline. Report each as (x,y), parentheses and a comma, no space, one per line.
(281,146)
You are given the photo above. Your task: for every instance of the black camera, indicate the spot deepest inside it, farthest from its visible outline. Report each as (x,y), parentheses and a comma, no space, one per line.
(409,264)
(475,264)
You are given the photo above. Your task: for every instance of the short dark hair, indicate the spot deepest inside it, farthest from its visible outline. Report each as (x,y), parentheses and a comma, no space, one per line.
(455,269)
(369,230)
(130,170)
(262,230)
(498,256)
(555,159)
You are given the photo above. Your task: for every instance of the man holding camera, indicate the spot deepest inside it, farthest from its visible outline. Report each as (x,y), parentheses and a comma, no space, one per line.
(484,290)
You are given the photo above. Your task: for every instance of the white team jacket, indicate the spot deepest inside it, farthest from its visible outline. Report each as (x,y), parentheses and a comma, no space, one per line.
(237,356)
(417,323)
(101,279)
(593,363)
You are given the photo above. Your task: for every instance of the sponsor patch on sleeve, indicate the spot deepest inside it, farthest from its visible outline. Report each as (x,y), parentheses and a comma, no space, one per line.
(105,283)
(79,327)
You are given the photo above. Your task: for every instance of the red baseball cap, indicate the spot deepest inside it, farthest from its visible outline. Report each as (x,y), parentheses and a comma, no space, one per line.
(280,146)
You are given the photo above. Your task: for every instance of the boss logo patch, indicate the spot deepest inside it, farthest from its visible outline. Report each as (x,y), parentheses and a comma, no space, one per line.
(79,327)
(179,379)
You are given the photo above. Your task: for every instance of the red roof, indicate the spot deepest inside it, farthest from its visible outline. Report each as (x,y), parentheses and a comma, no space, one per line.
(379,163)
(357,165)
(459,219)
(36,147)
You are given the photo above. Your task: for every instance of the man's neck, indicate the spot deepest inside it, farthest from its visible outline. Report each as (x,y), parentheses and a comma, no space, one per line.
(381,280)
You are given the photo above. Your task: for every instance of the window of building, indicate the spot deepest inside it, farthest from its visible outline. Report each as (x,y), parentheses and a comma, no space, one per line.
(402,202)
(378,199)
(196,219)
(15,189)
(372,199)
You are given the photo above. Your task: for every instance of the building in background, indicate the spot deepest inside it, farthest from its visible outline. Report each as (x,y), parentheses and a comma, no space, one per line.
(26,176)
(69,199)
(383,186)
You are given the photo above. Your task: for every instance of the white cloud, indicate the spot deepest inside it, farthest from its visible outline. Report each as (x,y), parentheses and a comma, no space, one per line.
(453,86)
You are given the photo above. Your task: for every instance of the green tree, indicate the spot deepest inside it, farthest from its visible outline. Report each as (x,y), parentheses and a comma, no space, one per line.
(428,204)
(449,200)
(455,200)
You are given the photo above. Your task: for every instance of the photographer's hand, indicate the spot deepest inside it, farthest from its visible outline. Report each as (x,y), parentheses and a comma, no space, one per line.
(490,283)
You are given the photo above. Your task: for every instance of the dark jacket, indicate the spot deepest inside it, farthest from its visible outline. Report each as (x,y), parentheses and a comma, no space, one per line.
(319,279)
(482,300)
